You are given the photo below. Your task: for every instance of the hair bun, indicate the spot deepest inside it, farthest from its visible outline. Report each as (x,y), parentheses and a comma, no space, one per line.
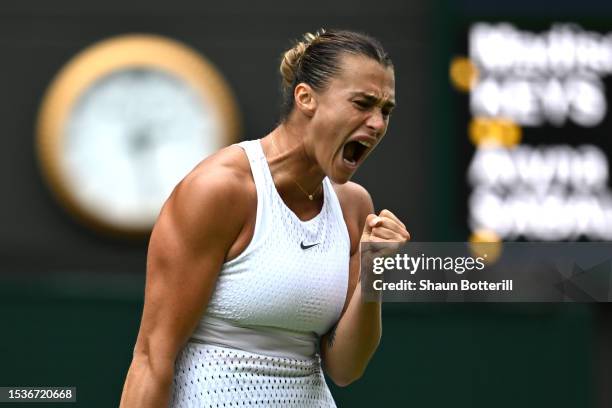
(293,56)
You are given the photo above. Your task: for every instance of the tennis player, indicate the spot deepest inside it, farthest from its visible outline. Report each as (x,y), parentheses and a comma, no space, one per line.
(252,285)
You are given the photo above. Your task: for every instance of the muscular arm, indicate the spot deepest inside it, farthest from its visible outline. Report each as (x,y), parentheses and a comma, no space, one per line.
(349,346)
(189,243)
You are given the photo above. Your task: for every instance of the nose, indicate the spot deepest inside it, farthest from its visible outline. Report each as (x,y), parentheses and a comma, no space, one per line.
(376,121)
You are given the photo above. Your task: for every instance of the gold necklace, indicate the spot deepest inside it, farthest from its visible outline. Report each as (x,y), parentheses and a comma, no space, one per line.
(310,196)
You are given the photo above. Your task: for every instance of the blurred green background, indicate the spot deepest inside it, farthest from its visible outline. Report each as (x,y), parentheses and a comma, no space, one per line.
(79,331)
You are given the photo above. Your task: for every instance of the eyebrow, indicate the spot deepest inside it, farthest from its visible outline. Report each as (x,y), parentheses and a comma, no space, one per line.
(374,100)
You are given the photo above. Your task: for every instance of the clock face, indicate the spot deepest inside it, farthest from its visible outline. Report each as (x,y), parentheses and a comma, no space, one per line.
(130,138)
(124,121)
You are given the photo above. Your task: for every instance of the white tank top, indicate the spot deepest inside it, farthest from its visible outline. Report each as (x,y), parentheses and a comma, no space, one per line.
(288,287)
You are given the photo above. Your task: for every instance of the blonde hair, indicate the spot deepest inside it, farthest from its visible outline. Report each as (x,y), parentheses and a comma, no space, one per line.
(292,57)
(315,60)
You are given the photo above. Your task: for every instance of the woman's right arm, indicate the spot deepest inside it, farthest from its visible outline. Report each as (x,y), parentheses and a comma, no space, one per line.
(188,245)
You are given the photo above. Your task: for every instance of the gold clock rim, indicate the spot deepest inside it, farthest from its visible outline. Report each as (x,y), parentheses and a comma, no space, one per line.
(101,59)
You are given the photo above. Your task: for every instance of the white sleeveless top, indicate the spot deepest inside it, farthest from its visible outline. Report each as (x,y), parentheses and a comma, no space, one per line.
(288,287)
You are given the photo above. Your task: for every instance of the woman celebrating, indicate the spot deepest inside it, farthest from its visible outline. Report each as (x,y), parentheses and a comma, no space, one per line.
(253,265)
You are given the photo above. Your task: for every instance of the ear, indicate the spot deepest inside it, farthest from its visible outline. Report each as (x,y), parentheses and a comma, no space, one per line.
(305,99)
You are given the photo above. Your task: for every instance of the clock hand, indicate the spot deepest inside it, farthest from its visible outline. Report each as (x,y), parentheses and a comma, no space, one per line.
(141,148)
(140,141)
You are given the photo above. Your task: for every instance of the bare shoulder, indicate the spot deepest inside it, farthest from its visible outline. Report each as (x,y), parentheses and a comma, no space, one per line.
(226,172)
(356,204)
(214,198)
(354,200)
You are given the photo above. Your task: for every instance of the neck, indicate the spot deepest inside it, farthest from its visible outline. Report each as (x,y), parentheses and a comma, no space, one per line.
(291,165)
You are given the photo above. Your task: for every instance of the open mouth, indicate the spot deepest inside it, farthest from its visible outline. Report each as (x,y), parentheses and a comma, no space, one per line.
(353,151)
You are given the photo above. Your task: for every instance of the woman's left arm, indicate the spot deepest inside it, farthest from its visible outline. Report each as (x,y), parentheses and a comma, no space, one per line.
(347,348)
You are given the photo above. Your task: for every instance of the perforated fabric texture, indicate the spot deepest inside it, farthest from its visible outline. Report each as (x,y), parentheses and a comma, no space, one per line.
(293,278)
(209,376)
(275,282)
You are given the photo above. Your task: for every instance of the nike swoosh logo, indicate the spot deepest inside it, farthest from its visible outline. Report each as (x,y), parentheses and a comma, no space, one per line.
(308,246)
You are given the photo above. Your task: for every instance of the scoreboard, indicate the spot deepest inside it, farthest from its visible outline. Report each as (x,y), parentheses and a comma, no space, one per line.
(534,120)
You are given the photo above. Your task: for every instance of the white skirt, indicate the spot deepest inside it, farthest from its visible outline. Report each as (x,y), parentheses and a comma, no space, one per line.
(211,376)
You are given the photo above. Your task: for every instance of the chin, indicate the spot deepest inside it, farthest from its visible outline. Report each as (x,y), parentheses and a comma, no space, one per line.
(340,179)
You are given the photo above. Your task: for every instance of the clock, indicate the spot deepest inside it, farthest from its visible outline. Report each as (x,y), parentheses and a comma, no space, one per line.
(123,122)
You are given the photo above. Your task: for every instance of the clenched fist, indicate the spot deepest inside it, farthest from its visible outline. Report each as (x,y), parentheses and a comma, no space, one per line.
(383,235)
(384,227)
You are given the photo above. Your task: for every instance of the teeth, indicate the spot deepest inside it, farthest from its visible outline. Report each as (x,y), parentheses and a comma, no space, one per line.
(366,144)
